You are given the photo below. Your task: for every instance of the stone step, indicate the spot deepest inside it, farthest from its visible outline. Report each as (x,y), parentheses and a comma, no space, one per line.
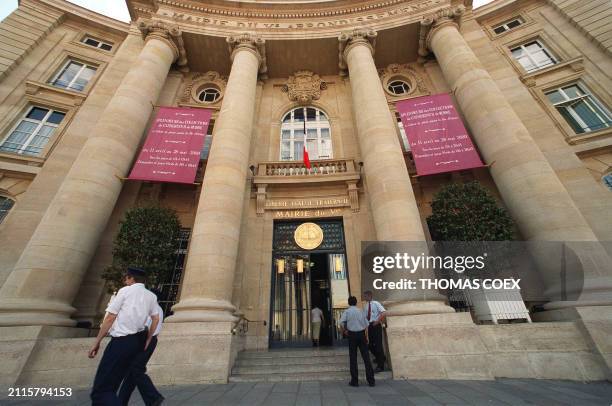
(293,368)
(291,360)
(296,353)
(303,377)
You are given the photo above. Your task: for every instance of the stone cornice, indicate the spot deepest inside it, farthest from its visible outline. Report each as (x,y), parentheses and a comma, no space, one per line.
(432,23)
(171,34)
(348,39)
(252,43)
(285,14)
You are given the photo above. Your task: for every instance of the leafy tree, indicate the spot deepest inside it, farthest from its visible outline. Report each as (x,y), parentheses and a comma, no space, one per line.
(468,212)
(147,240)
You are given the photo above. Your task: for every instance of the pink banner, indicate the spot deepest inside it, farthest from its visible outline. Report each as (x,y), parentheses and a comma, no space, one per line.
(438,140)
(171,152)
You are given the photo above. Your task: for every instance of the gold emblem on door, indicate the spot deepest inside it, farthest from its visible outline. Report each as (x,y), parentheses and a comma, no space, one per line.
(308,236)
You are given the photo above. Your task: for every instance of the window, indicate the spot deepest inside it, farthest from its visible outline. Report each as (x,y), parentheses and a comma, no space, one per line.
(209,95)
(533,56)
(398,87)
(6,205)
(73,75)
(207,141)
(606,179)
(97,43)
(305,123)
(402,132)
(508,25)
(32,132)
(580,108)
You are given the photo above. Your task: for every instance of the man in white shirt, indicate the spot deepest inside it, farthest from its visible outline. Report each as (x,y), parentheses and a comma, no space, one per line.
(137,377)
(316,320)
(375,314)
(354,325)
(126,323)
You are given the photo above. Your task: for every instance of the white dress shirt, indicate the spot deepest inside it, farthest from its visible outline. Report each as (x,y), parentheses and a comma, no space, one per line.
(377,309)
(133,305)
(160,313)
(354,318)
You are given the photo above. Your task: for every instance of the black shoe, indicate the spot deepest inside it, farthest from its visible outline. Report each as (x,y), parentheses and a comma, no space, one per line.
(371,383)
(159,401)
(378,369)
(353,384)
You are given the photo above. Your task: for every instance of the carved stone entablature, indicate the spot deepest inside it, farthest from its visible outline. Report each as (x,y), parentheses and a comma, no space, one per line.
(198,81)
(432,23)
(405,73)
(304,86)
(347,39)
(171,34)
(255,44)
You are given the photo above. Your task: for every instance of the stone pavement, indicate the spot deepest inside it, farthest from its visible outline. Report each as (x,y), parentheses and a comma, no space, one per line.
(338,393)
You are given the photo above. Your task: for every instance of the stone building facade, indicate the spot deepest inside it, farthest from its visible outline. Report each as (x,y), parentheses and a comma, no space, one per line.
(78,91)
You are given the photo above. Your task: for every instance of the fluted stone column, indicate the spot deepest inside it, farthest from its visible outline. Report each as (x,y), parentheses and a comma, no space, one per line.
(534,195)
(206,292)
(43,284)
(394,209)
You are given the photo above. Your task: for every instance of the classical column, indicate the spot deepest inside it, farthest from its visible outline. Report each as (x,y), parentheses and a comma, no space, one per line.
(394,209)
(534,195)
(47,276)
(206,293)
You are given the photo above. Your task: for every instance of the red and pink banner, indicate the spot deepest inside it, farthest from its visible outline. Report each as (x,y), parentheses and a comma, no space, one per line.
(438,140)
(171,152)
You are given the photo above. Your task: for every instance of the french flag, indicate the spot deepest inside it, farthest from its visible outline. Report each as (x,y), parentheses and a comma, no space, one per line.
(306,158)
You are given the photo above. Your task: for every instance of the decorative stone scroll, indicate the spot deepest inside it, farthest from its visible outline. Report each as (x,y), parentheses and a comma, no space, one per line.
(255,44)
(171,34)
(431,23)
(304,86)
(350,38)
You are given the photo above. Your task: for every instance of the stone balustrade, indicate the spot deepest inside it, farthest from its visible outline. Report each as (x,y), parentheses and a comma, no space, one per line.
(297,168)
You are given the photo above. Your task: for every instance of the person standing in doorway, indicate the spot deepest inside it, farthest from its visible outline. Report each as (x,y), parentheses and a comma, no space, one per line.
(316,321)
(354,325)
(137,377)
(126,323)
(375,314)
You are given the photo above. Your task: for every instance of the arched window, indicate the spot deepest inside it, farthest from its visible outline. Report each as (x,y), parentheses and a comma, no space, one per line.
(6,205)
(209,95)
(305,123)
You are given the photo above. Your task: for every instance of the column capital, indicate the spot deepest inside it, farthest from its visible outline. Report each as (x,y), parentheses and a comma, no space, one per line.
(252,43)
(349,39)
(432,23)
(168,33)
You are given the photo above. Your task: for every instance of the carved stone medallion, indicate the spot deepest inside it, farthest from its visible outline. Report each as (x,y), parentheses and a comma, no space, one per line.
(308,236)
(304,87)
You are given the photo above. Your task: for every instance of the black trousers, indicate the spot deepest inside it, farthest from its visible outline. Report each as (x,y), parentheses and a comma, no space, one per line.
(115,364)
(357,340)
(137,377)
(375,334)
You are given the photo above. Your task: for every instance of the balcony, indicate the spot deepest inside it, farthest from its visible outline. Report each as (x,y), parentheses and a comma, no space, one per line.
(321,171)
(341,172)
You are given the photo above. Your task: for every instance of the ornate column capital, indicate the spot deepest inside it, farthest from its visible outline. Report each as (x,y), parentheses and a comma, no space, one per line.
(170,34)
(432,23)
(349,39)
(251,43)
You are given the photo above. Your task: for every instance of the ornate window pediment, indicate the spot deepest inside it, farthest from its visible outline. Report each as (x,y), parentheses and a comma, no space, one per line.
(395,74)
(304,86)
(203,88)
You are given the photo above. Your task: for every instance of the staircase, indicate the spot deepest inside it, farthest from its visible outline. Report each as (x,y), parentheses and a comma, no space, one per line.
(303,364)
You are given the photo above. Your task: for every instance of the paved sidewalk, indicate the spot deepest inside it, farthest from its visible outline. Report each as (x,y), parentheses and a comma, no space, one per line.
(336,393)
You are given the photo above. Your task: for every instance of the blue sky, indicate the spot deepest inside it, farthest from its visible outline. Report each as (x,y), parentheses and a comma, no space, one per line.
(113,8)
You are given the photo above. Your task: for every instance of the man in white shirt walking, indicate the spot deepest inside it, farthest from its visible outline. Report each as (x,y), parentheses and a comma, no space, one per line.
(316,321)
(375,314)
(137,377)
(126,323)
